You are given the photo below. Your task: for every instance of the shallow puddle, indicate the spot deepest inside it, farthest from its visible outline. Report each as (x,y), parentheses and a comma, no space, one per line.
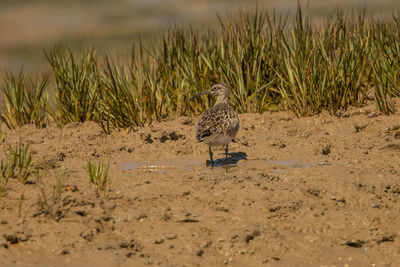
(280,166)
(290,163)
(186,164)
(162,166)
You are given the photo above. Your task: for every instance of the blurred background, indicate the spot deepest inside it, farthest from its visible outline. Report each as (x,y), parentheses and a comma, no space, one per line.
(28,28)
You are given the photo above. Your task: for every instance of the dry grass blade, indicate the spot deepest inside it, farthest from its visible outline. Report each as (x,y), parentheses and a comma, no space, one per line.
(53,205)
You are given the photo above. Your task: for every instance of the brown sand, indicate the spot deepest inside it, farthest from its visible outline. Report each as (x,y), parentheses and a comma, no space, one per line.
(321,190)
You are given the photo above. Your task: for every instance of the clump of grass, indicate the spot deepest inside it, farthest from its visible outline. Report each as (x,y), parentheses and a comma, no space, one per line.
(4,172)
(17,165)
(22,158)
(246,58)
(386,64)
(77,84)
(7,169)
(2,136)
(121,102)
(53,205)
(3,185)
(240,54)
(3,179)
(268,61)
(25,102)
(325,69)
(98,176)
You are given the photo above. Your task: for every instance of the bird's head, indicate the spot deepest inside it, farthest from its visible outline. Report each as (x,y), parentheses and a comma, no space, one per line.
(218,89)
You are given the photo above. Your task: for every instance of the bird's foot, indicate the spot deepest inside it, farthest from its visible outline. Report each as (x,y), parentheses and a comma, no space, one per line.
(210,163)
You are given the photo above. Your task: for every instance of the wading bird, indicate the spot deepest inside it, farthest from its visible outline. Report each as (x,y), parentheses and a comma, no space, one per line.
(218,125)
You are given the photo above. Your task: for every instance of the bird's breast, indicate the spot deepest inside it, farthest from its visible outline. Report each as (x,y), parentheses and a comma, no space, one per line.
(218,140)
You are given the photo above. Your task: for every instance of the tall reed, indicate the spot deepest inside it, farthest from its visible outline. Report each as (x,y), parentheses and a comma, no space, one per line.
(269,61)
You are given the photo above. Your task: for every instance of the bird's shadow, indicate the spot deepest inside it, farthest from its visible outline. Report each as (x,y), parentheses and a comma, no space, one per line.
(231,160)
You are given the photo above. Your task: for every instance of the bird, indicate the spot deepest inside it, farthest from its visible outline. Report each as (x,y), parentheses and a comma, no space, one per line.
(220,124)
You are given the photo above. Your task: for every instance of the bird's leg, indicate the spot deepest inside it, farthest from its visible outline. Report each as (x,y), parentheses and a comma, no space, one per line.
(226,151)
(211,155)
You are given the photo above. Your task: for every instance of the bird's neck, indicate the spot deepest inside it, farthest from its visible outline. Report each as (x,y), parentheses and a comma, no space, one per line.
(222,99)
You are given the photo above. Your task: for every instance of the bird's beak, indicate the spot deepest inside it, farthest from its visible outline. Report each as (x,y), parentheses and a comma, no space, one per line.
(199,94)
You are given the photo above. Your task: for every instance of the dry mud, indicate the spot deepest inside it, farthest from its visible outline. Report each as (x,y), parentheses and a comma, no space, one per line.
(320,191)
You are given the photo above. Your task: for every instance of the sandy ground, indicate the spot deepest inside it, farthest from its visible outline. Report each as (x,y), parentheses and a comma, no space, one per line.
(321,190)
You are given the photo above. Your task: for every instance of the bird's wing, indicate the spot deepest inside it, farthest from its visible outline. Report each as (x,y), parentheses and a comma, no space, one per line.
(221,119)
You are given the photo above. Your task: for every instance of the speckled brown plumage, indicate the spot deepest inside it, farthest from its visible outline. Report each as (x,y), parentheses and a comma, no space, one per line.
(218,125)
(220,119)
